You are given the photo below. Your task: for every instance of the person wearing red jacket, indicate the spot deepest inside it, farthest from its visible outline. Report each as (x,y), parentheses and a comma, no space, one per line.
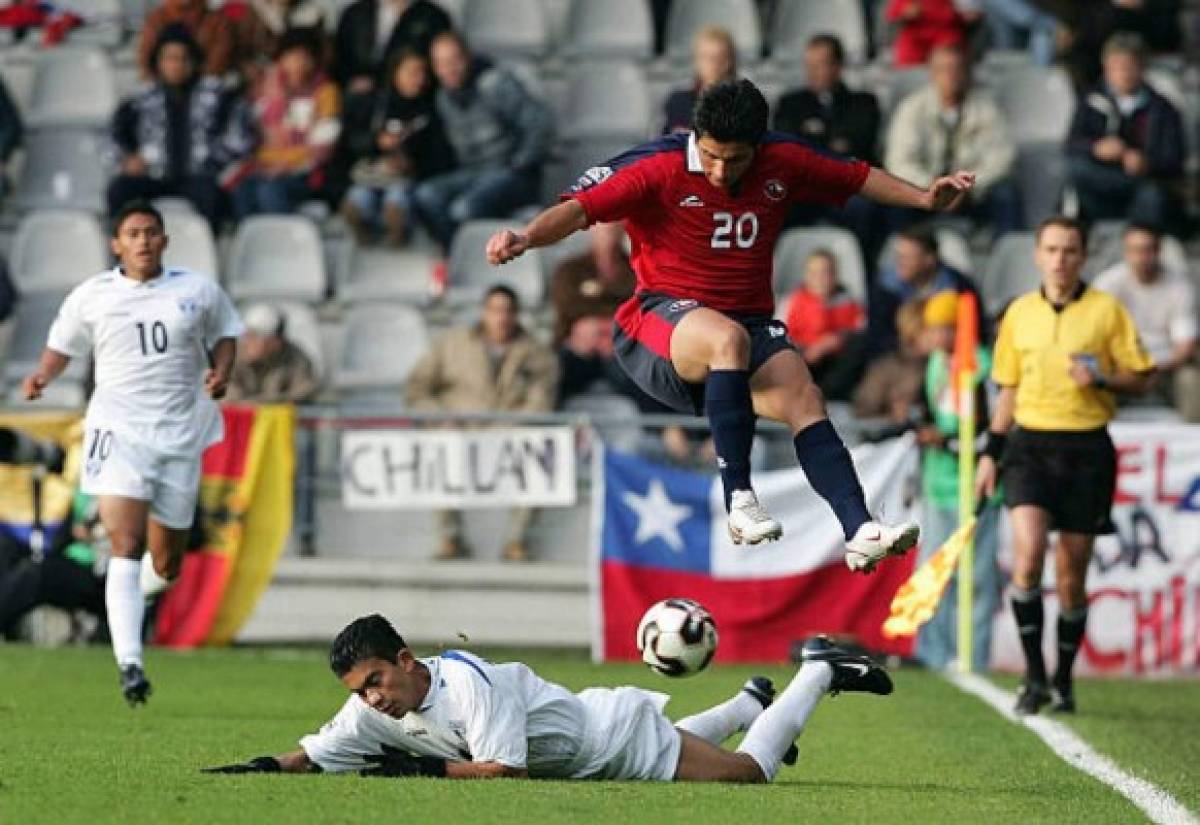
(922,25)
(822,318)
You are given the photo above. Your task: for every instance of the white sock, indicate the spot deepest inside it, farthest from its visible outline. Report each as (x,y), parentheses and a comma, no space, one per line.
(778,726)
(718,723)
(126,608)
(151,583)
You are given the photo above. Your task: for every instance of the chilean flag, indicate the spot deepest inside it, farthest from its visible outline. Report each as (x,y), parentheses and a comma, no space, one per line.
(661,532)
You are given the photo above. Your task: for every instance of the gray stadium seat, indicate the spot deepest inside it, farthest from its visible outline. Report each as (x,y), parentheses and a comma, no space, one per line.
(374,274)
(607,100)
(54,250)
(63,169)
(611,29)
(471,274)
(616,418)
(191,242)
(506,28)
(739,16)
(1039,103)
(953,249)
(72,87)
(383,343)
(35,313)
(796,21)
(795,245)
(277,257)
(1008,272)
(896,85)
(1041,172)
(105,26)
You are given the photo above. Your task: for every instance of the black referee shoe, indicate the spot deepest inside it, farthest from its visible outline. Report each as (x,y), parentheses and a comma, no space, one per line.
(1062,698)
(134,685)
(763,690)
(1032,697)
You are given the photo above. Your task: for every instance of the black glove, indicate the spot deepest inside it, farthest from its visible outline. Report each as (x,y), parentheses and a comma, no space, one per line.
(259,764)
(395,762)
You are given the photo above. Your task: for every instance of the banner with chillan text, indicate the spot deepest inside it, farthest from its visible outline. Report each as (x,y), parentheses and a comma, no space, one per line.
(1144,581)
(460,469)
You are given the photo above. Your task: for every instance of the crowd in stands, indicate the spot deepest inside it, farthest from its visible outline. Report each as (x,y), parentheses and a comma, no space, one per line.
(385,113)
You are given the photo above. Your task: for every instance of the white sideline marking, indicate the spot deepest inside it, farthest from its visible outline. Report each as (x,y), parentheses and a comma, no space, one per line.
(1158,805)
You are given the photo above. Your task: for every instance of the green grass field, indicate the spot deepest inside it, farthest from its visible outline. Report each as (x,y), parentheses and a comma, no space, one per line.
(70,751)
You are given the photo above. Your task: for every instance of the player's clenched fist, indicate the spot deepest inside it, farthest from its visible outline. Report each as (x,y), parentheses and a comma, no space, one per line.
(32,386)
(216,383)
(504,246)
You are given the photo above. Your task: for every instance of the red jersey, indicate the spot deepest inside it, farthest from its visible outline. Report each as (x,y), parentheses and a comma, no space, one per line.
(693,240)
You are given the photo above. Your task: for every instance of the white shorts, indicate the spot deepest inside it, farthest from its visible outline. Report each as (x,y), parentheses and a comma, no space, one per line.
(115,465)
(631,737)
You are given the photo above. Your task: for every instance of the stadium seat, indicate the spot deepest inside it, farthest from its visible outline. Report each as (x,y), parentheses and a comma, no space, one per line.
(796,21)
(614,29)
(54,250)
(373,274)
(64,169)
(1041,172)
(72,87)
(383,343)
(607,100)
(277,257)
(35,313)
(506,28)
(953,249)
(191,242)
(1039,103)
(1008,272)
(471,274)
(739,16)
(616,418)
(105,24)
(795,245)
(896,85)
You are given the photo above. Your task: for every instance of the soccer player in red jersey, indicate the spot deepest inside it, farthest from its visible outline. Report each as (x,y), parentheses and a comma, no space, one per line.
(703,212)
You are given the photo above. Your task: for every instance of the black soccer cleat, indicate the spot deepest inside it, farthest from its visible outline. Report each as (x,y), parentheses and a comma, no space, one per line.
(1032,697)
(1062,698)
(763,690)
(851,672)
(134,685)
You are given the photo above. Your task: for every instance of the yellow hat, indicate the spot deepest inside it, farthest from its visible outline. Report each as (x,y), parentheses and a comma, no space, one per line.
(942,309)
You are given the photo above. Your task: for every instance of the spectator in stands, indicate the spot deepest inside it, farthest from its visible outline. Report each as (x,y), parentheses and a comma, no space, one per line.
(211,29)
(1127,146)
(925,25)
(491,366)
(501,135)
(891,387)
(593,283)
(299,116)
(937,433)
(829,114)
(370,32)
(953,124)
(1087,26)
(714,57)
(917,273)
(259,27)
(178,135)
(269,368)
(1014,22)
(823,319)
(395,143)
(11,132)
(1162,303)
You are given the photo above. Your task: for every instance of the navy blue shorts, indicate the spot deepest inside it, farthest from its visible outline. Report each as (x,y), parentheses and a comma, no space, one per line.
(642,343)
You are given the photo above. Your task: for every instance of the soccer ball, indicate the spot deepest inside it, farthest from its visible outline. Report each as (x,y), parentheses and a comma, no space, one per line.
(677,637)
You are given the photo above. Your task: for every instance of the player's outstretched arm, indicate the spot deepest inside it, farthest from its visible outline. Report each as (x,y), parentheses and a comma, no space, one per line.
(50,366)
(294,762)
(943,195)
(549,227)
(216,380)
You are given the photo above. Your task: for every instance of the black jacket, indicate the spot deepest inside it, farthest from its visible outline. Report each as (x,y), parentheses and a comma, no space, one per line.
(427,146)
(11,128)
(354,44)
(849,124)
(677,111)
(1154,127)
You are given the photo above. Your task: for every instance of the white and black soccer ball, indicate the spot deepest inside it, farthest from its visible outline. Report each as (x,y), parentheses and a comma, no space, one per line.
(677,637)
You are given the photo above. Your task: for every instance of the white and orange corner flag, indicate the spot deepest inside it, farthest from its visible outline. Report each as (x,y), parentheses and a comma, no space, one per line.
(917,599)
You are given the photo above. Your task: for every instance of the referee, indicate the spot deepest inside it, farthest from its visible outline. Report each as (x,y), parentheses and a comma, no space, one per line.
(1062,354)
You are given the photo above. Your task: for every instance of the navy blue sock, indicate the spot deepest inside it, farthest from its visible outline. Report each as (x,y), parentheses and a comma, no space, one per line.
(826,462)
(731,417)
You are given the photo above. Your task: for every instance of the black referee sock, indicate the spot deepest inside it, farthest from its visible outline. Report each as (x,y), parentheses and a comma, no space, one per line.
(1027,608)
(826,462)
(731,416)
(1071,625)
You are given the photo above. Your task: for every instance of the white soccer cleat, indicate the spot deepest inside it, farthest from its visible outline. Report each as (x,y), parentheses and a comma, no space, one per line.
(749,522)
(874,542)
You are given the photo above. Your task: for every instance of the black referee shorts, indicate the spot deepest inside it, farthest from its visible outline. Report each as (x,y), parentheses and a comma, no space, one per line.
(1071,475)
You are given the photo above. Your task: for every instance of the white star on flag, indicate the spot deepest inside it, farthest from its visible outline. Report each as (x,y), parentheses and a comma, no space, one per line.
(658,516)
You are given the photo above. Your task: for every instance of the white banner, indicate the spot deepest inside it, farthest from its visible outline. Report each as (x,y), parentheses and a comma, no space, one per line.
(459,469)
(1144,582)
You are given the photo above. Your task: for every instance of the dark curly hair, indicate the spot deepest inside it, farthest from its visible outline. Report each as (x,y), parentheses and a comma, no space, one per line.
(733,111)
(367,637)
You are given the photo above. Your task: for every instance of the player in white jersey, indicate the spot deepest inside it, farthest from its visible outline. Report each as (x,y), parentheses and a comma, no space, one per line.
(461,717)
(163,343)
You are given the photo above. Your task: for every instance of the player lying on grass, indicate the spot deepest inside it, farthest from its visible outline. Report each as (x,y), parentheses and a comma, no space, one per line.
(461,717)
(703,212)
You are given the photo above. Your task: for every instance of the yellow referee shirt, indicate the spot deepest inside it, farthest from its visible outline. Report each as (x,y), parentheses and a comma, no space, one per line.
(1034,350)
